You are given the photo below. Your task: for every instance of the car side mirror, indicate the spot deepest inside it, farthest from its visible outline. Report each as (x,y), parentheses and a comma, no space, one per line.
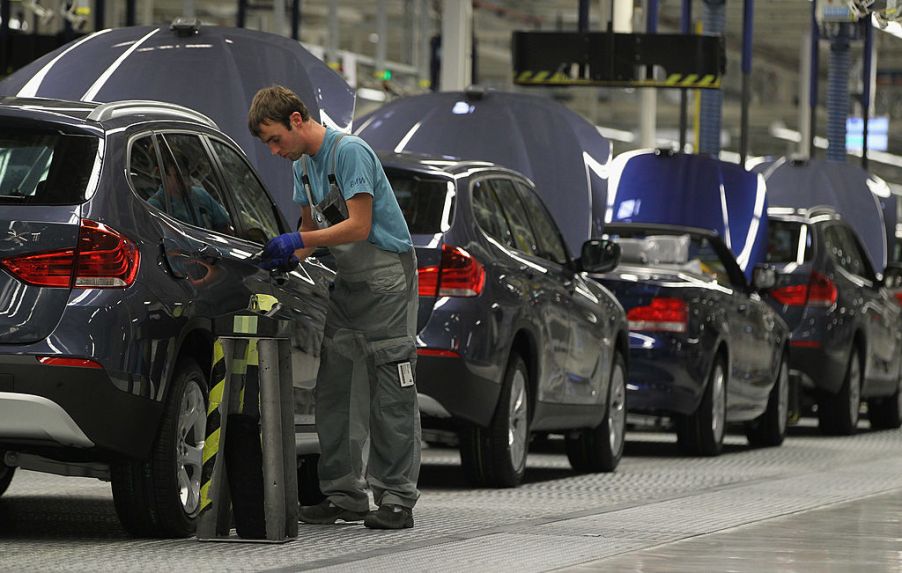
(599,256)
(763,277)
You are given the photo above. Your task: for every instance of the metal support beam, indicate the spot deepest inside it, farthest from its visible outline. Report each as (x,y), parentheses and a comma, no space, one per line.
(425,39)
(804,148)
(295,19)
(866,79)
(748,19)
(188,8)
(241,17)
(382,33)
(278,17)
(812,90)
(838,93)
(333,41)
(99,15)
(685,27)
(649,96)
(130,12)
(457,44)
(712,101)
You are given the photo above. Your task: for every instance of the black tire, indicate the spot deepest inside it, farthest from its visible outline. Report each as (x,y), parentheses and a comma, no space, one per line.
(886,413)
(6,475)
(701,433)
(600,449)
(496,456)
(769,429)
(309,492)
(838,413)
(148,494)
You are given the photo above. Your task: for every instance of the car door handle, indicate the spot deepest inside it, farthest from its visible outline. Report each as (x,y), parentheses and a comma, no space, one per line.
(209,254)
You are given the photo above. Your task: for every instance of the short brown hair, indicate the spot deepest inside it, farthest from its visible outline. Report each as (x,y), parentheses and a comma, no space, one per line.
(274,104)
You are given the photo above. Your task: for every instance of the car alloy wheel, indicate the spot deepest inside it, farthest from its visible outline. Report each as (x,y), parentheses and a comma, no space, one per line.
(783,405)
(718,403)
(617,409)
(190,446)
(518,431)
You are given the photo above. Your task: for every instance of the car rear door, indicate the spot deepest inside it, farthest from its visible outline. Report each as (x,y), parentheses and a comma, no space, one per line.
(44,178)
(589,354)
(200,231)
(880,314)
(548,300)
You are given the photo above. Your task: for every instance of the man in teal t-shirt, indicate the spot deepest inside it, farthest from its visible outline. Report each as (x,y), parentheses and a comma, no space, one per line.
(365,386)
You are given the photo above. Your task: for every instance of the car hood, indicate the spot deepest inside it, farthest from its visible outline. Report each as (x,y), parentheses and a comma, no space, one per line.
(562,153)
(695,191)
(851,191)
(216,71)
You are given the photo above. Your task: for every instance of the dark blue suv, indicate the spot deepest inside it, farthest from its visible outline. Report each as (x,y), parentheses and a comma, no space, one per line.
(846,340)
(513,337)
(128,229)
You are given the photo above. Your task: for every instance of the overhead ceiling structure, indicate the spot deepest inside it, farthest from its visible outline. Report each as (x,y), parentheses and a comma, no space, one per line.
(780,31)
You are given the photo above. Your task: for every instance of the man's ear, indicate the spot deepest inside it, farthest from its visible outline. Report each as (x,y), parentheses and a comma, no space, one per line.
(295,119)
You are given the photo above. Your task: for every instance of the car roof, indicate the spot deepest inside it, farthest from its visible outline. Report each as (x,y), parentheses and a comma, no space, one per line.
(439,165)
(103,115)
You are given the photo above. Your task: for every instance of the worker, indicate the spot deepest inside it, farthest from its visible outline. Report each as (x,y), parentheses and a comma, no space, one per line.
(365,385)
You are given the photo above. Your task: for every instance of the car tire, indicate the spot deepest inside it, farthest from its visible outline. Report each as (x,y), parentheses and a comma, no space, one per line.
(6,475)
(701,433)
(309,492)
(886,413)
(838,413)
(496,456)
(769,429)
(600,449)
(160,497)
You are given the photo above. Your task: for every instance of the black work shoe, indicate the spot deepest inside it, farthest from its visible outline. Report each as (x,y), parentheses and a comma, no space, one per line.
(389,517)
(326,513)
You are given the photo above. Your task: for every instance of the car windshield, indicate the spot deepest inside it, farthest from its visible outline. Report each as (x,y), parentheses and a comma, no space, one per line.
(41,167)
(423,201)
(784,239)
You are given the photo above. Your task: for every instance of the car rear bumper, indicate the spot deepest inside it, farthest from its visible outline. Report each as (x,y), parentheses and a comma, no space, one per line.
(448,383)
(69,407)
(666,375)
(821,369)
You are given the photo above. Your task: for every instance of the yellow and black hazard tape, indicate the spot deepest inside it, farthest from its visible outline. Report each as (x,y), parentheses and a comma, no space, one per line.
(553,77)
(245,362)
(214,423)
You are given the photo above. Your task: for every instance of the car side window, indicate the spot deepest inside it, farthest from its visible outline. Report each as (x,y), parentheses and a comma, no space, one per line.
(255,208)
(547,235)
(843,249)
(516,216)
(199,179)
(489,216)
(144,170)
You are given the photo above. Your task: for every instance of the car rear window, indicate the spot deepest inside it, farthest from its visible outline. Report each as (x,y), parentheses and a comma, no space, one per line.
(423,202)
(783,239)
(43,167)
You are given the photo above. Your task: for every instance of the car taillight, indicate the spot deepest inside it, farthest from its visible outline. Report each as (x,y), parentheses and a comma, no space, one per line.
(70,362)
(459,274)
(820,291)
(103,259)
(663,314)
(899,297)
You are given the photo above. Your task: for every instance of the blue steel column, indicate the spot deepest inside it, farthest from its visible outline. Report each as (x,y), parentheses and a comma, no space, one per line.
(130,12)
(838,93)
(712,100)
(685,21)
(812,89)
(866,86)
(295,19)
(5,14)
(748,18)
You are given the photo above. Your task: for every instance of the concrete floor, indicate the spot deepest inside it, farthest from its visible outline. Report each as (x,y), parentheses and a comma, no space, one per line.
(814,504)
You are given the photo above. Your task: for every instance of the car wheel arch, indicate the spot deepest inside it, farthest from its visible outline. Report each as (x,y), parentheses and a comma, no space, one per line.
(524,344)
(196,343)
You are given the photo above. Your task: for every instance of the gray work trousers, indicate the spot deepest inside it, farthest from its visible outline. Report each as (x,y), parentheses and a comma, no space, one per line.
(365,385)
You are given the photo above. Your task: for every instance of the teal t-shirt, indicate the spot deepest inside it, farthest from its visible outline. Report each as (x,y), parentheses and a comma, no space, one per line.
(357,170)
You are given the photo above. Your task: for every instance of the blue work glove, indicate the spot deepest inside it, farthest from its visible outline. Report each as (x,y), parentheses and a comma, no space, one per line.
(283,246)
(281,264)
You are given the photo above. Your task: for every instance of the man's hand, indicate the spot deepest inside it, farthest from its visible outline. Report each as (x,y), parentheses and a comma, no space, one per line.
(283,246)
